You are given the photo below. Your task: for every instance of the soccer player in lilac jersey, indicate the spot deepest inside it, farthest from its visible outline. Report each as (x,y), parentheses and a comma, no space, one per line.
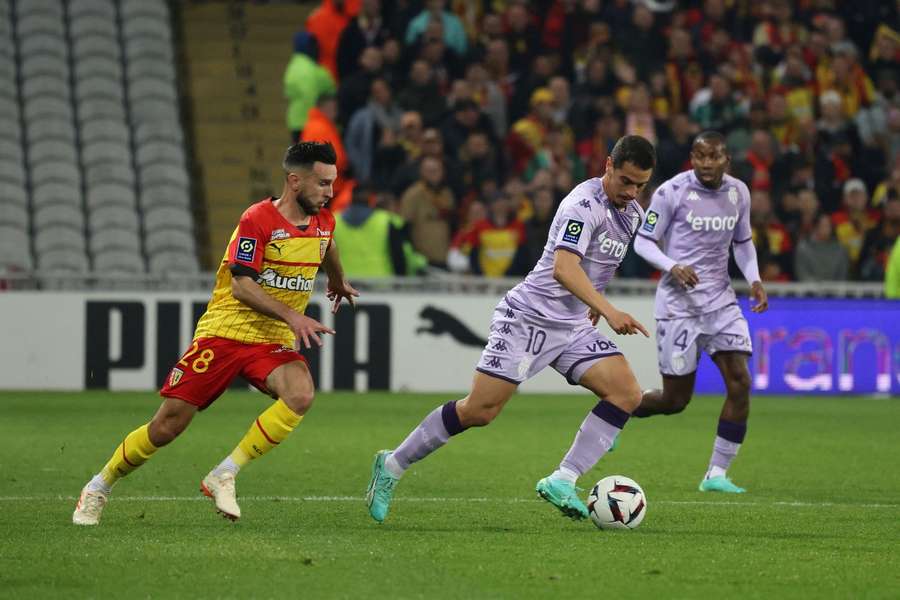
(698,215)
(549,320)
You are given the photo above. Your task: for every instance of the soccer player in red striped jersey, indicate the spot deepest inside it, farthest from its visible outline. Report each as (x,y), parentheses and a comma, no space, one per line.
(253,327)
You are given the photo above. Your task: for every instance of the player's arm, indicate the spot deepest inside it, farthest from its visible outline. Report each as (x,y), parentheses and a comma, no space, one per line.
(245,290)
(646,243)
(568,272)
(745,256)
(338,286)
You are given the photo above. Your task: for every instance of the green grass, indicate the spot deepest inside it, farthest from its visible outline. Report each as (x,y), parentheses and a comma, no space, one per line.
(822,518)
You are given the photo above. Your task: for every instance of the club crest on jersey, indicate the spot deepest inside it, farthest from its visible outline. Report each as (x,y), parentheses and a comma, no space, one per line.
(323,248)
(573,231)
(635,221)
(733,195)
(650,221)
(246,248)
(279,234)
(175,377)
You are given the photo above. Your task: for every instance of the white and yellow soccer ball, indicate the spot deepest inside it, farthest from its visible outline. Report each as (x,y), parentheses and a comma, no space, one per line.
(617,502)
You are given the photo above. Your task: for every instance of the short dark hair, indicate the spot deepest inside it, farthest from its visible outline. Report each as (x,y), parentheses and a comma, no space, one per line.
(711,137)
(305,154)
(634,149)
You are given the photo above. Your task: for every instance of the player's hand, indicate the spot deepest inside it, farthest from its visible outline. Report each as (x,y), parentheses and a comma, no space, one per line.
(307,329)
(624,324)
(685,275)
(339,290)
(758,293)
(594,316)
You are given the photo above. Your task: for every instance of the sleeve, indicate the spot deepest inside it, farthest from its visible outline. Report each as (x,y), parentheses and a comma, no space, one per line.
(326,217)
(651,252)
(743,233)
(249,243)
(659,214)
(745,258)
(576,223)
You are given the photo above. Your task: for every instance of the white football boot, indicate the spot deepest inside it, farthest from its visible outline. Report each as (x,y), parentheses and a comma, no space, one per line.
(221,489)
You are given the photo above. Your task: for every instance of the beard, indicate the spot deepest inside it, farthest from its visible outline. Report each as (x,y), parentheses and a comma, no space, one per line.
(307,205)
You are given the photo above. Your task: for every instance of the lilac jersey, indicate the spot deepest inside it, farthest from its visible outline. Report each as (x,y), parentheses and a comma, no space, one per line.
(697,226)
(589,225)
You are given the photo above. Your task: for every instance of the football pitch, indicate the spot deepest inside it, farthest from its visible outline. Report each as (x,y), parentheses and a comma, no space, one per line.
(821,519)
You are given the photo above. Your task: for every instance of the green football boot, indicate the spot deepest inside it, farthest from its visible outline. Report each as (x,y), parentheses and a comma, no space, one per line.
(563,495)
(381,488)
(720,484)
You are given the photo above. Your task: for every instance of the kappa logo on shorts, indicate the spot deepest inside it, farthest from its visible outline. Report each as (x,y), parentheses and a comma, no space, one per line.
(650,222)
(573,231)
(175,377)
(246,248)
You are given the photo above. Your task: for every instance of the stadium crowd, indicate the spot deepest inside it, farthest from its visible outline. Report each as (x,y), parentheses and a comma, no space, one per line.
(460,125)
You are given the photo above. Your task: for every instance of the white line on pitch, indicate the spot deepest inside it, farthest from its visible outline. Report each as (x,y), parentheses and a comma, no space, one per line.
(198,498)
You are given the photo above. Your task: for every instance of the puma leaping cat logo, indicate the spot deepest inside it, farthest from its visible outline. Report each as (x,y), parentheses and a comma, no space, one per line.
(443,322)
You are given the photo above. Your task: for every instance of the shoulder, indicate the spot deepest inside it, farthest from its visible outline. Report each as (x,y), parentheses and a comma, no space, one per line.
(585,200)
(742,188)
(259,212)
(326,219)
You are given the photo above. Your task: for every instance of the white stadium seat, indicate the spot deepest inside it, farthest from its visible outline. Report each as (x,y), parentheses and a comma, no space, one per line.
(110,193)
(62,260)
(120,173)
(14,215)
(59,237)
(169,239)
(168,217)
(104,240)
(97,130)
(116,260)
(59,214)
(48,193)
(106,216)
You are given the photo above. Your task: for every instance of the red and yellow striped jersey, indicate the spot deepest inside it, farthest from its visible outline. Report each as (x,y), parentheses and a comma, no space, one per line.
(286,258)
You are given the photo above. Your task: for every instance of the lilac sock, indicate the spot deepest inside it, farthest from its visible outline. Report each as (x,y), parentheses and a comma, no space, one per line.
(597,433)
(433,432)
(729,438)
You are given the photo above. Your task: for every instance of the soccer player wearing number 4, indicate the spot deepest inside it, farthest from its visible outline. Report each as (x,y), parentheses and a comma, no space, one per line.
(699,215)
(253,327)
(548,320)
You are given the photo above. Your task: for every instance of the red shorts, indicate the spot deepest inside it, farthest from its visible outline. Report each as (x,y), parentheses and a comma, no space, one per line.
(209,365)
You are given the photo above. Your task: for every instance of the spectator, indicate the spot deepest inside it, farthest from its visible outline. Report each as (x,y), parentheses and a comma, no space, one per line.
(429,207)
(444,61)
(379,119)
(374,240)
(674,152)
(304,82)
(366,30)
(356,89)
(479,162)
(392,153)
(422,94)
(559,157)
(833,168)
(496,245)
(773,241)
(465,120)
(820,257)
(879,242)
(846,76)
(537,228)
(892,273)
(833,124)
(889,186)
(488,96)
(855,220)
(641,42)
(528,133)
(327,23)
(432,145)
(715,107)
(639,118)
(522,37)
(321,127)
(453,32)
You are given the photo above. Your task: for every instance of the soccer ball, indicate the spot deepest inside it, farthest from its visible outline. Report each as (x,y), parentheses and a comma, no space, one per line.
(617,502)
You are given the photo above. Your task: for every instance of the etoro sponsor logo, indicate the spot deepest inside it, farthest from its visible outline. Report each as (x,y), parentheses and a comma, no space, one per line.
(271,278)
(611,247)
(717,223)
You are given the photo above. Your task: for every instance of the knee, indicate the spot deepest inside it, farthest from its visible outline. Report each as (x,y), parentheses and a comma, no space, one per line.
(163,429)
(738,385)
(477,416)
(628,399)
(299,401)
(677,403)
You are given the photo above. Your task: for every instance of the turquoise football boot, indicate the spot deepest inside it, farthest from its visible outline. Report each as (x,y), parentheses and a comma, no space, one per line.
(381,488)
(720,484)
(563,495)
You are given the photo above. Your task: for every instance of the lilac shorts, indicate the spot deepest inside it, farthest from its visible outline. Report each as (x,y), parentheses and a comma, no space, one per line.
(521,344)
(680,341)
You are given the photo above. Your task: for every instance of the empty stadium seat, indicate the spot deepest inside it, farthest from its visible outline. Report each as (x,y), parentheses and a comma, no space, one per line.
(93,25)
(169,239)
(40,44)
(62,260)
(98,130)
(124,218)
(42,108)
(152,88)
(12,171)
(144,10)
(42,151)
(35,24)
(105,151)
(14,214)
(59,214)
(159,152)
(10,149)
(117,260)
(111,193)
(164,262)
(44,85)
(166,131)
(50,129)
(59,237)
(78,8)
(149,67)
(62,172)
(167,217)
(164,174)
(45,193)
(90,88)
(100,108)
(120,173)
(13,192)
(164,194)
(45,64)
(50,8)
(14,250)
(104,240)
(96,47)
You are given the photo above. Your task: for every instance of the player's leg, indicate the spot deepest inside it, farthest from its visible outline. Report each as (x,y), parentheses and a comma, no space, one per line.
(678,343)
(170,420)
(610,378)
(673,398)
(483,403)
(732,421)
(285,376)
